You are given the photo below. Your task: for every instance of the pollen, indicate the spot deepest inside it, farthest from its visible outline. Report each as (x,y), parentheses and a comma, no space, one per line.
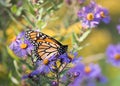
(45,61)
(90,16)
(87,69)
(117,56)
(23,46)
(102,14)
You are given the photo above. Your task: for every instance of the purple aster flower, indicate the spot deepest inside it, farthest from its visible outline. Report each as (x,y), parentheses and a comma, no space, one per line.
(42,67)
(87,15)
(118,28)
(16,40)
(21,46)
(91,15)
(113,54)
(76,60)
(92,70)
(100,78)
(92,74)
(103,14)
(64,58)
(74,75)
(69,57)
(92,82)
(14,43)
(49,65)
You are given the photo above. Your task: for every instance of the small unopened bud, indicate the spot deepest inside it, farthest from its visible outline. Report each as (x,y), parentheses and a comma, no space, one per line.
(76,74)
(54,83)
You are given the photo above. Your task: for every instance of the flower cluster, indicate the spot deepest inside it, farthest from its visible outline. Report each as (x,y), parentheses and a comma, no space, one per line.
(81,73)
(75,76)
(52,65)
(91,15)
(21,46)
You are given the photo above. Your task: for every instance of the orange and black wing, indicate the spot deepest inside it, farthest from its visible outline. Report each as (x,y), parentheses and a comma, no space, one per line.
(45,46)
(45,50)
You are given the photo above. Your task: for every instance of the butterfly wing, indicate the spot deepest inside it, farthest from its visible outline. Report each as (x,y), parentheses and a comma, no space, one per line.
(45,46)
(37,37)
(45,50)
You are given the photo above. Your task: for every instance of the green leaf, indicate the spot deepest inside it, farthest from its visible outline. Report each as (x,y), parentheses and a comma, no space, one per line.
(74,38)
(40,14)
(31,8)
(19,11)
(14,9)
(74,41)
(28,20)
(16,67)
(41,24)
(81,47)
(84,36)
(12,54)
(13,79)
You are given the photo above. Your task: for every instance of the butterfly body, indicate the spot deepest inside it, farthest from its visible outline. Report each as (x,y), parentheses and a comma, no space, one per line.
(44,45)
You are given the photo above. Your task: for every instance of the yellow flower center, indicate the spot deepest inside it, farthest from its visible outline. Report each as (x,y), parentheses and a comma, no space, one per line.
(70,56)
(58,63)
(90,16)
(28,71)
(87,69)
(14,38)
(102,14)
(23,46)
(117,56)
(45,61)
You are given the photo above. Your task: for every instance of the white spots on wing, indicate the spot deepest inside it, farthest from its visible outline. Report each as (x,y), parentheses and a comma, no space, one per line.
(35,38)
(38,35)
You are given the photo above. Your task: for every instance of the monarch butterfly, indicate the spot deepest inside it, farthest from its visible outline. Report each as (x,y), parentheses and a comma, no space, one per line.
(44,45)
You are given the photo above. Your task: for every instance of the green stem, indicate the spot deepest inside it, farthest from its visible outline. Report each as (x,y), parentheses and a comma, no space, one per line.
(57,76)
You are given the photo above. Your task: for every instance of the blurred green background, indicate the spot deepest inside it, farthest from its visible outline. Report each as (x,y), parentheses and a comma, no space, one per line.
(99,39)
